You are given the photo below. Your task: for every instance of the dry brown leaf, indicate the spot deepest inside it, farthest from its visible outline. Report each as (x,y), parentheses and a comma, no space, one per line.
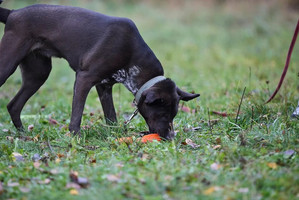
(18,157)
(1,188)
(74,192)
(209,191)
(74,176)
(13,184)
(60,155)
(191,143)
(44,182)
(35,139)
(218,140)
(217,147)
(57,160)
(272,165)
(9,138)
(36,165)
(113,178)
(73,185)
(52,121)
(185,109)
(215,166)
(30,127)
(120,165)
(243,190)
(222,114)
(24,189)
(82,181)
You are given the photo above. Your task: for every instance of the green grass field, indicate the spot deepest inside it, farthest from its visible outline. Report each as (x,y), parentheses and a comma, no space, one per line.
(213,48)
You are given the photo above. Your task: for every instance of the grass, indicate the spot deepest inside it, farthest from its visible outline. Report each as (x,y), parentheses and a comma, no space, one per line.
(215,49)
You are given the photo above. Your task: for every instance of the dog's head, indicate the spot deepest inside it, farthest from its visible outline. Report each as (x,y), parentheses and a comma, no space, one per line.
(159,105)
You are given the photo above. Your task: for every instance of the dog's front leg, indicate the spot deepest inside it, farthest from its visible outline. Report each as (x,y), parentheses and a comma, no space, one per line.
(84,82)
(105,95)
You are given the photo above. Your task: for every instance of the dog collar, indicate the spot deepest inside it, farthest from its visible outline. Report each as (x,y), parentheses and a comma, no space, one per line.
(147,85)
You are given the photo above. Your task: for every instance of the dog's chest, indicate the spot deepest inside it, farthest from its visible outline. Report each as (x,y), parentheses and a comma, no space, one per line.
(125,76)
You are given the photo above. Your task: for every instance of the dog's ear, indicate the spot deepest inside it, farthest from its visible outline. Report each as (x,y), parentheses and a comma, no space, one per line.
(151,97)
(185,96)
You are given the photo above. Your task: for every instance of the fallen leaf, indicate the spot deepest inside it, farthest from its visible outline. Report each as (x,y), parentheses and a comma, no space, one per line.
(1,188)
(82,181)
(113,178)
(272,165)
(52,121)
(9,138)
(44,182)
(18,157)
(223,114)
(185,109)
(68,134)
(24,189)
(54,171)
(218,140)
(73,185)
(243,190)
(120,165)
(60,155)
(92,160)
(74,192)
(289,153)
(74,176)
(57,160)
(127,140)
(196,128)
(217,147)
(35,139)
(215,166)
(13,184)
(30,127)
(191,143)
(36,157)
(209,191)
(36,165)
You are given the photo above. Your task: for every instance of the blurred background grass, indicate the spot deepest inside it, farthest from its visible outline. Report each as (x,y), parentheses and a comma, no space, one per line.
(214,47)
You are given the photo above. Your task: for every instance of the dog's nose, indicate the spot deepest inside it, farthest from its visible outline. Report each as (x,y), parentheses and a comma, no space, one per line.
(171,135)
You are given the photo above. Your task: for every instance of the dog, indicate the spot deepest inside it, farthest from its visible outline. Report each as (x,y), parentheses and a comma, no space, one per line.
(102,50)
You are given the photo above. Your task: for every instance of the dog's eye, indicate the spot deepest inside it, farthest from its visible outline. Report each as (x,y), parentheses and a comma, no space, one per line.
(158,102)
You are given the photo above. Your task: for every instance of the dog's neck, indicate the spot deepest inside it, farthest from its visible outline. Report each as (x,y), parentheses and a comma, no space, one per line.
(133,78)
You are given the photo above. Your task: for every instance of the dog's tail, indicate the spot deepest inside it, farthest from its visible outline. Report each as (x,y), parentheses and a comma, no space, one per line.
(4,14)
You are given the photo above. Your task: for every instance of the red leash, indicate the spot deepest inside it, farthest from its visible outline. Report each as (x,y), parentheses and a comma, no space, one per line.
(287,63)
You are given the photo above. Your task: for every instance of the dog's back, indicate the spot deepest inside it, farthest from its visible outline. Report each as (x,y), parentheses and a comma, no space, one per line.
(4,14)
(72,32)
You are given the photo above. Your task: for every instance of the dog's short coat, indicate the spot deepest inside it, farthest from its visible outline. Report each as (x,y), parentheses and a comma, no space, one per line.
(102,50)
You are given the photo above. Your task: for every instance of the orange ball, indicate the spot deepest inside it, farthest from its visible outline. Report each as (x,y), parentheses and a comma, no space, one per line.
(150,138)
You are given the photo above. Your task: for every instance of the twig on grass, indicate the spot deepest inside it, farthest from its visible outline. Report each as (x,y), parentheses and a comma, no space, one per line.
(251,124)
(211,129)
(240,105)
(49,145)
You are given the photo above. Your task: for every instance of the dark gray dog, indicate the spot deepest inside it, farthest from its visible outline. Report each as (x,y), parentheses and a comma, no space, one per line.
(102,50)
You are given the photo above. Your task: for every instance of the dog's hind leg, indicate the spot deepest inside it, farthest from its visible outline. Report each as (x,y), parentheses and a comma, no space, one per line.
(12,50)
(105,95)
(35,70)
